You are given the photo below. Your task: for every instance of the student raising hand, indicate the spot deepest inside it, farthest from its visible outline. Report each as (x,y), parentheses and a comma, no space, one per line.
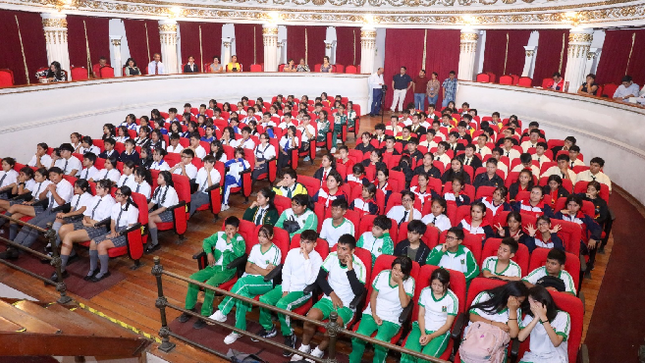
(500,230)
(556,228)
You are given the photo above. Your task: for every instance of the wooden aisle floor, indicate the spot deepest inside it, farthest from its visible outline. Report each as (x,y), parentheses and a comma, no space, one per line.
(132,301)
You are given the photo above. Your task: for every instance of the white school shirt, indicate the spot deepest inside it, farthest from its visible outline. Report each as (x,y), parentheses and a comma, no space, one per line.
(398,211)
(541,349)
(445,159)
(248,144)
(171,196)
(272,256)
(337,277)
(174,150)
(72,164)
(191,171)
(8,178)
(388,303)
(526,145)
(264,152)
(113,175)
(311,130)
(45,160)
(510,154)
(540,272)
(200,152)
(79,201)
(332,233)
(534,169)
(499,317)
(482,151)
(540,159)
(87,173)
(601,178)
(101,210)
(298,272)
(127,180)
(92,149)
(160,165)
(554,170)
(144,188)
(202,178)
(121,139)
(437,311)
(512,270)
(285,140)
(124,218)
(160,68)
(36,188)
(442,222)
(64,189)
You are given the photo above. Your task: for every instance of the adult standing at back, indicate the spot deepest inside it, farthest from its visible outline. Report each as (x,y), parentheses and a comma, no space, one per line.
(449,89)
(376,82)
(401,82)
(420,85)
(156,67)
(432,90)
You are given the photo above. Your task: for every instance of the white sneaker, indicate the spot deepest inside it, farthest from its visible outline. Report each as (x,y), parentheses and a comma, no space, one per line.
(333,150)
(225,207)
(338,142)
(316,353)
(218,316)
(318,148)
(232,338)
(304,349)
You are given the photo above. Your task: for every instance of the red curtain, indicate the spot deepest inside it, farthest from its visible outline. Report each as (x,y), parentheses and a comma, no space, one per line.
(615,56)
(33,40)
(135,30)
(410,57)
(249,45)
(550,47)
(348,46)
(315,49)
(211,43)
(495,51)
(98,39)
(442,54)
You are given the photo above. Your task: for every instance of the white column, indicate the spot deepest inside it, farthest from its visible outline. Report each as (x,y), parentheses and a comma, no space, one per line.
(529,60)
(467,53)
(226,57)
(368,49)
(115,40)
(168,36)
(270,40)
(330,50)
(55,28)
(579,43)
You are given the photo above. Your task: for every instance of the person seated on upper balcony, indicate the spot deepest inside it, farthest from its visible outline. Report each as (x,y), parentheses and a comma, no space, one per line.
(233,65)
(290,67)
(626,90)
(557,84)
(96,69)
(589,87)
(131,68)
(53,74)
(190,66)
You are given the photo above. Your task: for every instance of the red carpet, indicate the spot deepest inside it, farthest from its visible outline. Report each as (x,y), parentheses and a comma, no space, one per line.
(29,360)
(617,327)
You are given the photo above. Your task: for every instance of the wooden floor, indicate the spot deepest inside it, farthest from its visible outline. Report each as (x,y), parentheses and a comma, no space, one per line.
(132,301)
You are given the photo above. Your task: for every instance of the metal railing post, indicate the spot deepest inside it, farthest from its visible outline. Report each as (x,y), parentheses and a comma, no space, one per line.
(166,346)
(56,261)
(332,329)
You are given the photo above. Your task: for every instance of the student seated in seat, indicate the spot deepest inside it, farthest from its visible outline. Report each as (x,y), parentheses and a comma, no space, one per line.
(548,328)
(476,224)
(501,266)
(539,153)
(392,291)
(526,163)
(562,169)
(594,173)
(262,211)
(109,172)
(299,213)
(87,145)
(81,200)
(221,248)
(456,195)
(185,167)
(88,171)
(357,176)
(65,161)
(130,153)
(158,160)
(263,258)
(378,241)
(109,144)
(514,230)
(300,270)
(413,246)
(40,158)
(535,205)
(497,203)
(428,168)
(336,226)
(343,158)
(490,177)
(342,277)
(437,218)
(366,203)
(453,255)
(207,176)
(164,197)
(333,192)
(438,307)
(365,145)
(406,211)
(456,170)
(552,273)
(233,178)
(289,186)
(288,143)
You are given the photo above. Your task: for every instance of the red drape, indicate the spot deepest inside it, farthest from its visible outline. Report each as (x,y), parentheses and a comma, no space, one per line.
(496,49)
(135,30)
(98,39)
(442,54)
(316,36)
(247,46)
(33,40)
(211,42)
(348,43)
(615,55)
(550,46)
(397,56)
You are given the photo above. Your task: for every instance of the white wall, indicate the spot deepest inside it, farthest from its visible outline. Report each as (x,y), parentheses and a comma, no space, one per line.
(228,30)
(379,59)
(117,28)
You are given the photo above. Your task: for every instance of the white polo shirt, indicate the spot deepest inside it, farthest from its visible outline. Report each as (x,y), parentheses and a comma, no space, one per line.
(388,303)
(332,233)
(261,259)
(437,311)
(338,277)
(512,270)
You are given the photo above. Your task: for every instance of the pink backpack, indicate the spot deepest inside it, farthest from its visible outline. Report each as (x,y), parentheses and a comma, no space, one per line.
(484,343)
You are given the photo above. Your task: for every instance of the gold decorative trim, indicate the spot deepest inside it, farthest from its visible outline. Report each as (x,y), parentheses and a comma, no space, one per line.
(55,23)
(529,53)
(270,31)
(580,37)
(168,28)
(368,34)
(116,42)
(469,37)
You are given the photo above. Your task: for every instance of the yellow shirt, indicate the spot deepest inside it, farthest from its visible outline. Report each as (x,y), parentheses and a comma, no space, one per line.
(230,66)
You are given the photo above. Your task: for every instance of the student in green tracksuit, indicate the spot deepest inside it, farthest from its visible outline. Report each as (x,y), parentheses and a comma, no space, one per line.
(378,241)
(300,269)
(221,249)
(454,256)
(300,213)
(263,258)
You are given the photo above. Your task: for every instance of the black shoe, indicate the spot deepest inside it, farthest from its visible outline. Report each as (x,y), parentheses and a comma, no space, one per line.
(91,275)
(150,249)
(291,342)
(97,279)
(9,254)
(73,259)
(266,334)
(185,317)
(54,276)
(601,250)
(199,324)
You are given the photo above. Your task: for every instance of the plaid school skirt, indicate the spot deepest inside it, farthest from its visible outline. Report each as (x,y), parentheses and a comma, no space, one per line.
(166,216)
(118,241)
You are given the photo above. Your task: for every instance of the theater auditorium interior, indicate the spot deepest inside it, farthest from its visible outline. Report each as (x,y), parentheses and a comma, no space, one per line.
(322,181)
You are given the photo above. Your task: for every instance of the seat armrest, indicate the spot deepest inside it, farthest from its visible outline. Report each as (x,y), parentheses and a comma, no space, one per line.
(238,262)
(515,350)
(277,271)
(357,300)
(198,255)
(61,208)
(130,229)
(105,223)
(405,314)
(310,288)
(214,186)
(462,320)
(23,196)
(180,204)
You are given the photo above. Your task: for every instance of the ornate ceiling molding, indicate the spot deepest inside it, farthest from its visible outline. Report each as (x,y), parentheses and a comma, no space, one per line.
(345,12)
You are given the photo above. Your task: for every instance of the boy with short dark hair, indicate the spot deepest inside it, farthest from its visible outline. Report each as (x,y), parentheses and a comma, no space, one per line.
(185,167)
(413,246)
(562,169)
(539,153)
(289,186)
(109,151)
(412,151)
(455,256)
(501,266)
(207,176)
(336,226)
(490,177)
(378,241)
(526,162)
(88,171)
(554,267)
(594,173)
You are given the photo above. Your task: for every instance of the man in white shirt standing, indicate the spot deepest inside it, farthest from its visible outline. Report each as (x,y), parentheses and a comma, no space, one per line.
(156,67)
(376,82)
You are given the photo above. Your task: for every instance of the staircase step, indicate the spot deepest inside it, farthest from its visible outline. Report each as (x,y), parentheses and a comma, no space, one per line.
(72,324)
(98,325)
(31,324)
(7,326)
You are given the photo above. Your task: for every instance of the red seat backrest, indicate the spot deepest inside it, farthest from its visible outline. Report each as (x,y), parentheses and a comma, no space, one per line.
(312,184)
(282,203)
(322,247)
(182,186)
(457,285)
(6,77)
(107,72)
(479,284)
(142,205)
(521,256)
